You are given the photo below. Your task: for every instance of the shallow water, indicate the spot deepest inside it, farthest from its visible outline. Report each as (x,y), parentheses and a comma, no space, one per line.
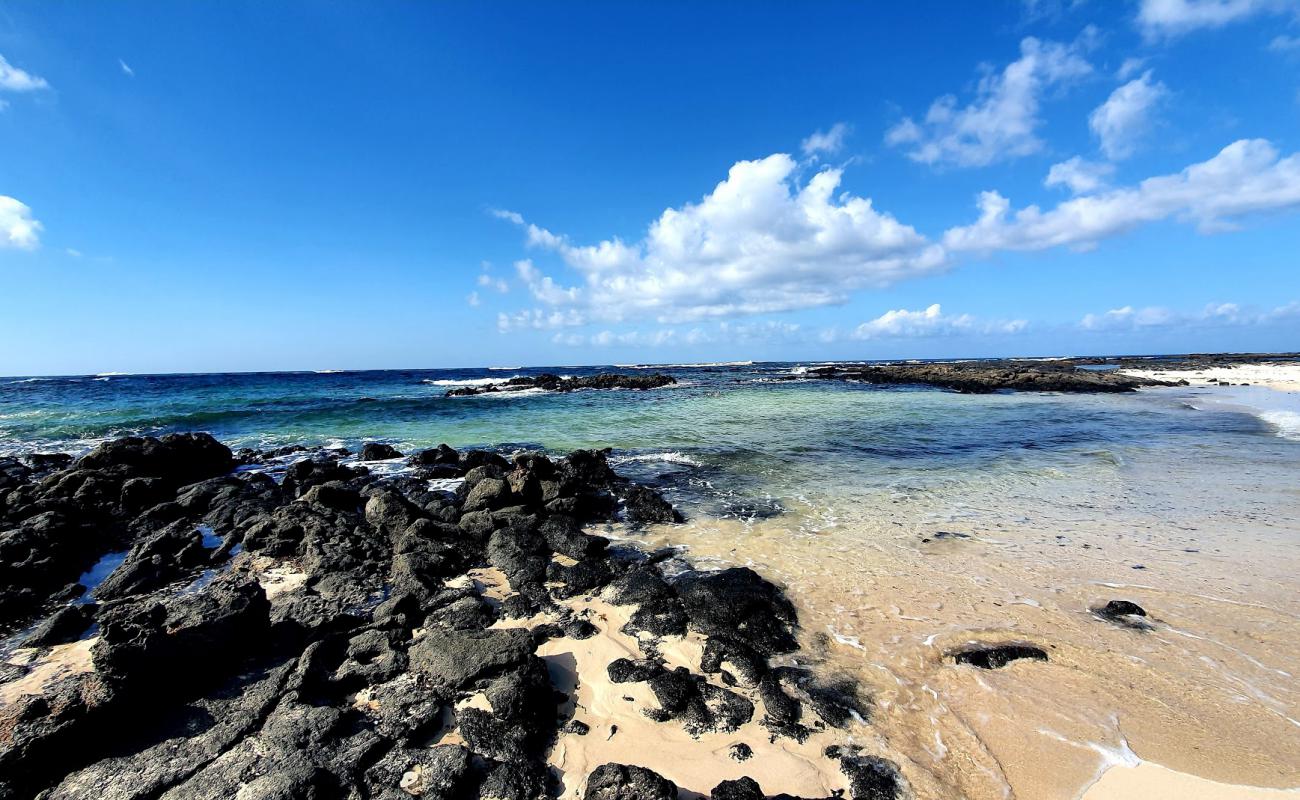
(905,522)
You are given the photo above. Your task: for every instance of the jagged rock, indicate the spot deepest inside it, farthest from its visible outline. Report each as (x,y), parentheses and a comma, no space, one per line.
(433,773)
(870,778)
(624,782)
(737,603)
(179,458)
(64,625)
(645,505)
(456,658)
(739,789)
(378,451)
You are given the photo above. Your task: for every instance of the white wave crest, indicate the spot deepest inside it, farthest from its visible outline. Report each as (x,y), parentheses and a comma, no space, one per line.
(687,366)
(466,381)
(1286,422)
(670,457)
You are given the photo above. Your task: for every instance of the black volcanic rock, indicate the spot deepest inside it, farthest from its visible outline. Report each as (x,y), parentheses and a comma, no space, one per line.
(378,451)
(623,782)
(554,383)
(982,377)
(998,656)
(310,639)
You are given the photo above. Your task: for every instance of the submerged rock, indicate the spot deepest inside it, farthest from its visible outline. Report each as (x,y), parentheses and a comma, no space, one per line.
(1124,613)
(996,656)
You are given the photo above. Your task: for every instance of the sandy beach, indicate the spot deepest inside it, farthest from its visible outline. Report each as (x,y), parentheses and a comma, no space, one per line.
(1279,376)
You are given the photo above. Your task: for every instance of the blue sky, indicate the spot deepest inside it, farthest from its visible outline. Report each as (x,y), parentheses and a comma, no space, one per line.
(244,186)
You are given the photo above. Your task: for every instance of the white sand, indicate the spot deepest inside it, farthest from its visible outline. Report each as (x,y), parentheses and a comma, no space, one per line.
(1283,377)
(1147,781)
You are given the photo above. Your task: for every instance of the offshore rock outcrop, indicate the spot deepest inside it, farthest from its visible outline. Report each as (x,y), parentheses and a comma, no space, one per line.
(555,383)
(328,635)
(983,377)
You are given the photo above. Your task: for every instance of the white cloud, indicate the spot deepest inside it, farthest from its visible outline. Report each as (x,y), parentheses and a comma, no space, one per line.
(488,282)
(1130,67)
(1080,176)
(1126,115)
(902,323)
(13,79)
(830,142)
(18,228)
(1246,177)
(1129,318)
(1174,17)
(73,252)
(760,242)
(473,299)
(539,319)
(126,69)
(1285,44)
(1001,121)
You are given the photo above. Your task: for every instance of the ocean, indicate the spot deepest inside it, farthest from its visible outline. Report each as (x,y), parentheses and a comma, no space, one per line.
(904,522)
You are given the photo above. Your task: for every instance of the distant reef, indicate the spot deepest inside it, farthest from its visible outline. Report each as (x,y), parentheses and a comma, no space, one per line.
(555,383)
(983,377)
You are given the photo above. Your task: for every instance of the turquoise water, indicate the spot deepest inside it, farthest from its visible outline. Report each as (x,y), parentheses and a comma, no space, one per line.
(730,440)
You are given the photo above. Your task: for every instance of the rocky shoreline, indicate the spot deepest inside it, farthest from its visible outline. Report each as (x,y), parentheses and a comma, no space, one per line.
(555,383)
(335,634)
(984,377)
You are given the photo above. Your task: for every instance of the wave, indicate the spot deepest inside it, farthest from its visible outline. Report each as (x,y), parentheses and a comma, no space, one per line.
(1286,422)
(110,374)
(669,457)
(328,371)
(465,381)
(504,369)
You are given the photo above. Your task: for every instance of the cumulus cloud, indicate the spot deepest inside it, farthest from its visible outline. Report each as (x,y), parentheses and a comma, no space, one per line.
(1001,121)
(904,324)
(1079,176)
(18,228)
(1173,17)
(1246,177)
(830,142)
(1121,121)
(13,79)
(473,299)
(762,241)
(1129,318)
